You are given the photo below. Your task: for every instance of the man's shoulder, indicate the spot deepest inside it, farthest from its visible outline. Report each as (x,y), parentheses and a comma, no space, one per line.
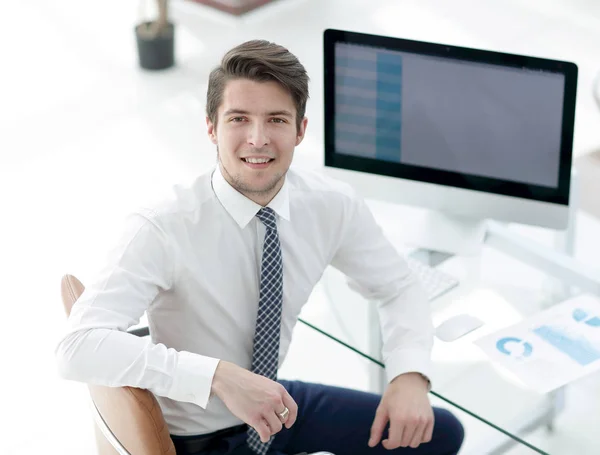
(178,198)
(316,182)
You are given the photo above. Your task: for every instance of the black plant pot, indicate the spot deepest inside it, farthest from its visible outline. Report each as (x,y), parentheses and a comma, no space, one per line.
(155,52)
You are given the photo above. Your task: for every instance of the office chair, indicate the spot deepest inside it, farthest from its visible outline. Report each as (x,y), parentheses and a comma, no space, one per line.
(128,420)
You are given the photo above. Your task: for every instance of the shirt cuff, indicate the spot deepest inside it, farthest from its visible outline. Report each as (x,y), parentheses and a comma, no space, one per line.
(193,378)
(408,361)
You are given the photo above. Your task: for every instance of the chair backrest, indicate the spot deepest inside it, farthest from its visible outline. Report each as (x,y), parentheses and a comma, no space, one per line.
(133,415)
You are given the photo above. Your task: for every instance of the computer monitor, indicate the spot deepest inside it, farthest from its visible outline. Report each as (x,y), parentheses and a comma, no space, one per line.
(468,133)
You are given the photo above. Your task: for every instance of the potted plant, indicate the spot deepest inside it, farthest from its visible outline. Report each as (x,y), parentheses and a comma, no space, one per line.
(156,40)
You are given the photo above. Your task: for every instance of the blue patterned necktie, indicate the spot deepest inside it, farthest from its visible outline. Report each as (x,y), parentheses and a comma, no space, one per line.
(265,356)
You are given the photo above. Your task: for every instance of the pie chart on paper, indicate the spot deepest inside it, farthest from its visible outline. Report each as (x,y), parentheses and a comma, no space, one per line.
(514,347)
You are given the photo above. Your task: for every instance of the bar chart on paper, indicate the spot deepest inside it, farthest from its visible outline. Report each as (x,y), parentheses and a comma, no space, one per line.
(572,342)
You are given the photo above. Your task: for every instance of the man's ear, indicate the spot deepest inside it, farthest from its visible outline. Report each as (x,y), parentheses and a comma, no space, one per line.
(212,130)
(301,131)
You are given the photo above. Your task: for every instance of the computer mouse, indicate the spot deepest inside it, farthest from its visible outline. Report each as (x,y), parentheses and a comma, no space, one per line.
(457,326)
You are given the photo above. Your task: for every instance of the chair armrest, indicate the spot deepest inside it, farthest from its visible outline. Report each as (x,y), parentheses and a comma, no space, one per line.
(106,431)
(100,422)
(102,425)
(124,416)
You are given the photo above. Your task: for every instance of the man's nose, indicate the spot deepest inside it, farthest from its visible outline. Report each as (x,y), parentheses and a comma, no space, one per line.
(258,136)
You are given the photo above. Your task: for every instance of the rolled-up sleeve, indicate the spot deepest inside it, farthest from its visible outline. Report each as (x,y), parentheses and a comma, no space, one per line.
(97,348)
(380,274)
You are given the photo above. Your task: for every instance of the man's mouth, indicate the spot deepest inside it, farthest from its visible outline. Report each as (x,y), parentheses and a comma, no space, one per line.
(257,160)
(262,162)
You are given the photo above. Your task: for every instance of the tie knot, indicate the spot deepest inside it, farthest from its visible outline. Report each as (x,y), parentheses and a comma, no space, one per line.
(267,216)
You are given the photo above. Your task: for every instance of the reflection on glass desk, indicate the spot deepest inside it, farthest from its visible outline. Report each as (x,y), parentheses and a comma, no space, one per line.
(509,417)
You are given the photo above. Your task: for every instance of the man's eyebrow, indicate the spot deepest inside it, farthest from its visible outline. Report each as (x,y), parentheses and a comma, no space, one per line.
(283,113)
(235,111)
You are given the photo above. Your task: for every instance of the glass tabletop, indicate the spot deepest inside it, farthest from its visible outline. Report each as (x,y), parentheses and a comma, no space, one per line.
(501,414)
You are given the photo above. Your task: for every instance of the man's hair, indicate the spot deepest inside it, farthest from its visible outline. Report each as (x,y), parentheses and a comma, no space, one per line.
(259,61)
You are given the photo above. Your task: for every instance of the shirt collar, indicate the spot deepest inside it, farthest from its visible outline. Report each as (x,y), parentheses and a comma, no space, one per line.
(242,209)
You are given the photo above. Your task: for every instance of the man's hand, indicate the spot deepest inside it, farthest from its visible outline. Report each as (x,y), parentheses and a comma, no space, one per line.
(254,399)
(406,407)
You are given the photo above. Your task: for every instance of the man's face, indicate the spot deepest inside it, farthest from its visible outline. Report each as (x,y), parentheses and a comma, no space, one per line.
(255,136)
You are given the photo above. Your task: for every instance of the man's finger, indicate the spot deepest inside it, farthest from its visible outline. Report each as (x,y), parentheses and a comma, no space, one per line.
(418,436)
(274,422)
(397,430)
(289,403)
(428,433)
(263,430)
(410,428)
(379,423)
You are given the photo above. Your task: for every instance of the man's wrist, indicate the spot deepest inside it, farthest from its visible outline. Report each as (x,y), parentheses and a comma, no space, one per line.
(412,376)
(216,386)
(192,378)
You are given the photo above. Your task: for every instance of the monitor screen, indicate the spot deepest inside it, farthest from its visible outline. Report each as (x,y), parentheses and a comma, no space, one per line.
(469,118)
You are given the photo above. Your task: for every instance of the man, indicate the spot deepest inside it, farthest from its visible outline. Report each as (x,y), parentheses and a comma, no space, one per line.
(223,268)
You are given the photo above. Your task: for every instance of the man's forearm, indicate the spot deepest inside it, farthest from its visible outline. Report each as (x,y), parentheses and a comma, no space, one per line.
(407,332)
(115,359)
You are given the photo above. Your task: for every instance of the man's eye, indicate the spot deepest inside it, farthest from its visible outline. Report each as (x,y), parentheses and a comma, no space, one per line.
(277,120)
(237,119)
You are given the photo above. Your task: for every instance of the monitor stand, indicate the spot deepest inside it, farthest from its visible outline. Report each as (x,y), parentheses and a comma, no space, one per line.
(444,233)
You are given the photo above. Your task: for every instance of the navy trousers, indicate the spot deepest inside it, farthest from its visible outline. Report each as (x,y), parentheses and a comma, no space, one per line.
(338,420)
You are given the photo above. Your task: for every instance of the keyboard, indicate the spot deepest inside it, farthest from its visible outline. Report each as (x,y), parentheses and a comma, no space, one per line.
(435,282)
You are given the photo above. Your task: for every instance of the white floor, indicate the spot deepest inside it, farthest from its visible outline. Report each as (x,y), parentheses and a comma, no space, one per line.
(84,135)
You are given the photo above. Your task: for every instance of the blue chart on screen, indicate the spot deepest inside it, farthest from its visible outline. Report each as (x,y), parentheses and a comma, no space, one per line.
(369,103)
(577,347)
(514,347)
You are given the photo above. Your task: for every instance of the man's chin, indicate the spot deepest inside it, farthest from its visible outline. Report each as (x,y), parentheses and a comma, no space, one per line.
(257,187)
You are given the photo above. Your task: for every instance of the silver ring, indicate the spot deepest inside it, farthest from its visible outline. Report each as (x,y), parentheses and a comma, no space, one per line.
(283,415)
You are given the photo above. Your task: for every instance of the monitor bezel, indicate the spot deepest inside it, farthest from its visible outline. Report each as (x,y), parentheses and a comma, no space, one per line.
(558,195)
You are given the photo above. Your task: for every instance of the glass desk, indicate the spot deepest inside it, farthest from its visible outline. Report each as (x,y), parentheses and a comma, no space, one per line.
(501,415)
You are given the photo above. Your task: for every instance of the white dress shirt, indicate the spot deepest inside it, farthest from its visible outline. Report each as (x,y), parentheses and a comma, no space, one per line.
(192,263)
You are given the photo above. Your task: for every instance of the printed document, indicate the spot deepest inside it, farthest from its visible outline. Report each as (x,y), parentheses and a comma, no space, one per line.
(551,348)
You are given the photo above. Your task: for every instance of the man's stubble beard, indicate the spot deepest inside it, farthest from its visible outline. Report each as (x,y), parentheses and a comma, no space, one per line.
(237,183)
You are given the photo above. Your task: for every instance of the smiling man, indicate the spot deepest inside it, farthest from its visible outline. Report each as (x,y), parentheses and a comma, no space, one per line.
(224,266)
(258,130)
